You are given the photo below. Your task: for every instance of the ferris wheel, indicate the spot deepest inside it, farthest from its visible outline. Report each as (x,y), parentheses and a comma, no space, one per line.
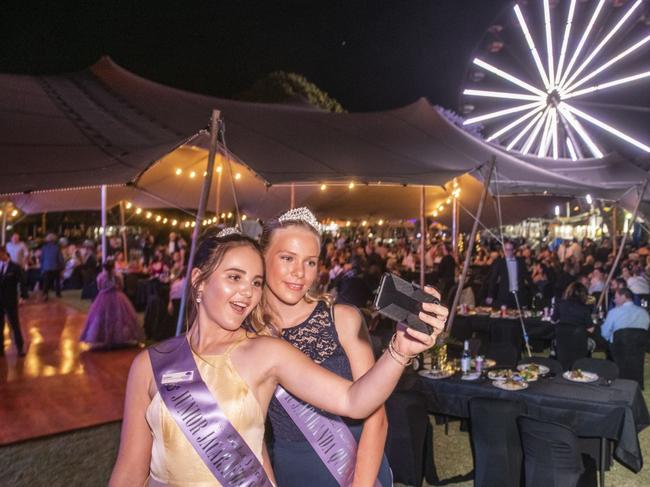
(564,79)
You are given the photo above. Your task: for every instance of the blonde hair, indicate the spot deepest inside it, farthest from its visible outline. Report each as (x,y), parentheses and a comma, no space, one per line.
(268,230)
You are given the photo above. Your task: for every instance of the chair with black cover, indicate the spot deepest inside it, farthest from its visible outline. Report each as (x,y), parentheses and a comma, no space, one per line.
(553,365)
(551,454)
(495,442)
(504,354)
(604,368)
(570,344)
(507,331)
(409,445)
(628,351)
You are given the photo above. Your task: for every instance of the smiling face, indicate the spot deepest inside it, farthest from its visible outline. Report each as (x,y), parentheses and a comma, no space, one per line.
(291,260)
(233,289)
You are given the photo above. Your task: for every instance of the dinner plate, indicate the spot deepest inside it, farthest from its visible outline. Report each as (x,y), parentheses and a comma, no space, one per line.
(497,374)
(429,374)
(542,369)
(586,376)
(509,386)
(471,376)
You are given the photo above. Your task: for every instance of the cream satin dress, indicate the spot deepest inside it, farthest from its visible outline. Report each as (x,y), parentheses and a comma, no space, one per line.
(174,462)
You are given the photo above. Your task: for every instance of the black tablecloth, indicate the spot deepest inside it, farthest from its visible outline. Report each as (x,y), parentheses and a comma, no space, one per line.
(465,325)
(617,412)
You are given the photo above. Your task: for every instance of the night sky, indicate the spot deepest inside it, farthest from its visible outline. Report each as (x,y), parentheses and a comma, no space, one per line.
(369,55)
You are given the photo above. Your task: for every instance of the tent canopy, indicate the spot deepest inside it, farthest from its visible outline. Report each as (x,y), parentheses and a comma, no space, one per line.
(105,125)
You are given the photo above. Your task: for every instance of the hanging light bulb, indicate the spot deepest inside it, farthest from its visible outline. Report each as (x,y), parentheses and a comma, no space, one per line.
(179,171)
(238,176)
(158,218)
(138,211)
(174,223)
(14,212)
(148,215)
(448,200)
(229,214)
(351,185)
(192,175)
(323,187)
(348,223)
(165,220)
(435,213)
(380,222)
(128,205)
(243,218)
(223,215)
(364,223)
(219,169)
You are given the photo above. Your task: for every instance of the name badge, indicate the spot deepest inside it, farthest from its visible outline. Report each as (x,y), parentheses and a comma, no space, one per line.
(176,377)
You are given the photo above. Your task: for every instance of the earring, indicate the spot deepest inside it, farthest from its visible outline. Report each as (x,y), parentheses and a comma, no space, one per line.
(199,298)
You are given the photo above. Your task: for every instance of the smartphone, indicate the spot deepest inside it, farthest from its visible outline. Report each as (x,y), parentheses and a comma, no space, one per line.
(402,301)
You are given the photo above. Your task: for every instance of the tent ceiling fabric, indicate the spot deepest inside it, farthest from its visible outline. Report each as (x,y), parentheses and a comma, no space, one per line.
(105,125)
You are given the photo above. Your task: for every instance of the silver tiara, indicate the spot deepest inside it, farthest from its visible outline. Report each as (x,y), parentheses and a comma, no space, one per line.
(301,214)
(228,231)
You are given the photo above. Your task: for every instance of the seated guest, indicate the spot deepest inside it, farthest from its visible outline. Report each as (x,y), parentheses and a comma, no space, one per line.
(597,283)
(573,309)
(626,314)
(637,282)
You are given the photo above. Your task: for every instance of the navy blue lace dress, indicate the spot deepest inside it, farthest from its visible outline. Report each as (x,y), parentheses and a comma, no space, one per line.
(294,461)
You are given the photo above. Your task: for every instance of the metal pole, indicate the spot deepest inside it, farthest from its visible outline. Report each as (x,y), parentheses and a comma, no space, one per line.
(621,247)
(454,227)
(205,193)
(4,223)
(103,198)
(123,232)
(422,235)
(614,229)
(43,224)
(293,195)
(470,247)
(219,175)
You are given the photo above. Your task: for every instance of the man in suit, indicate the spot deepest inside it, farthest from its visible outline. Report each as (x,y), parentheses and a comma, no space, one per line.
(10,280)
(508,274)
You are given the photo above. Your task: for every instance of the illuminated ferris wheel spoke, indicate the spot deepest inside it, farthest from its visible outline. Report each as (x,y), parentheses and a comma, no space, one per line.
(531,46)
(512,125)
(502,94)
(543,146)
(565,40)
(509,77)
(555,135)
(583,39)
(610,84)
(572,151)
(500,113)
(609,63)
(549,45)
(525,130)
(606,127)
(602,43)
(593,148)
(533,135)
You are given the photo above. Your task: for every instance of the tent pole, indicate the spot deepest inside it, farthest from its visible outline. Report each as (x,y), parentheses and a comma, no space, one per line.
(293,195)
(123,232)
(219,175)
(422,235)
(103,198)
(205,193)
(4,223)
(43,224)
(621,247)
(454,227)
(470,247)
(614,225)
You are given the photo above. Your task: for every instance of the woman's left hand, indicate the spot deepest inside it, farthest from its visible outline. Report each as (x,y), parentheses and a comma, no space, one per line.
(413,342)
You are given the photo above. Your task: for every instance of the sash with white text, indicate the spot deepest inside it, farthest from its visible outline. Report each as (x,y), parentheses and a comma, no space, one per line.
(200,418)
(329,436)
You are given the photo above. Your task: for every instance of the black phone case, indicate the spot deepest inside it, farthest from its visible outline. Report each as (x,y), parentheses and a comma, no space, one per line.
(402,301)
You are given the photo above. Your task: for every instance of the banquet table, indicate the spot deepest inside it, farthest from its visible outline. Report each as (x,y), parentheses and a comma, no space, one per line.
(617,412)
(465,325)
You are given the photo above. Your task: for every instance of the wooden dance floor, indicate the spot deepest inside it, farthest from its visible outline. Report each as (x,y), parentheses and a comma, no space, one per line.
(59,385)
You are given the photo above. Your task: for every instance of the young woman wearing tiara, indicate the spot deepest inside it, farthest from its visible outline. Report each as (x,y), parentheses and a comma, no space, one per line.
(333,336)
(196,404)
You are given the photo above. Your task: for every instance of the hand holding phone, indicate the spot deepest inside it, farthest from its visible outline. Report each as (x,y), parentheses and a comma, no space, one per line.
(403,301)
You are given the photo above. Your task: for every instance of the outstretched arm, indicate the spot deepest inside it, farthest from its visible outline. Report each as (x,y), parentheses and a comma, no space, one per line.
(325,390)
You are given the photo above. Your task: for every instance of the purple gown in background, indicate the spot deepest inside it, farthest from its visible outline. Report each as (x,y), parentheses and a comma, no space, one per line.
(112,320)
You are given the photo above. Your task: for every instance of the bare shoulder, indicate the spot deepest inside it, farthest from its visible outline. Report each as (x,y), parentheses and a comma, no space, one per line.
(262,346)
(141,365)
(349,322)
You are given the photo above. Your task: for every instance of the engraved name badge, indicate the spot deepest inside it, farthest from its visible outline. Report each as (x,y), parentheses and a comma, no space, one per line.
(176,377)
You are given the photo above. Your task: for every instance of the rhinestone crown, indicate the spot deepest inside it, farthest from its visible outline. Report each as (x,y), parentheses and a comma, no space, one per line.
(301,214)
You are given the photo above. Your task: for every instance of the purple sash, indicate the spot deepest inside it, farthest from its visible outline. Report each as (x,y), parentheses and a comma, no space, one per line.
(329,436)
(200,418)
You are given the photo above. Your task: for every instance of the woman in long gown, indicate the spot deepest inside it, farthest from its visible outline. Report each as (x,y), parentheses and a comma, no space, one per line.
(241,370)
(112,320)
(333,336)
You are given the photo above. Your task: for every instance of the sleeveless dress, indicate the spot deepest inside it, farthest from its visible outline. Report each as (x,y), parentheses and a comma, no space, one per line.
(295,463)
(111,320)
(174,462)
